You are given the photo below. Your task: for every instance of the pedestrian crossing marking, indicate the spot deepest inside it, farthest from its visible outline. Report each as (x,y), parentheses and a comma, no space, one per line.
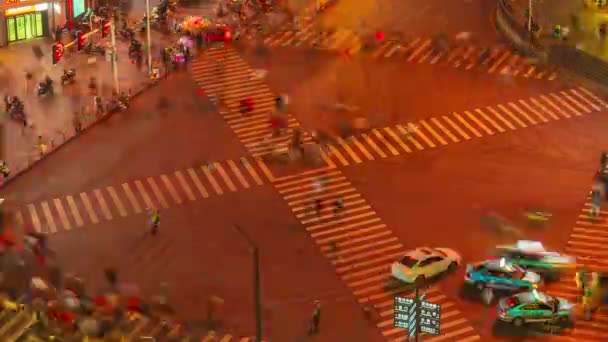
(499,61)
(131,197)
(593,96)
(522,113)
(197,182)
(49,217)
(565,104)
(238,174)
(512,116)
(35,219)
(89,208)
(224,175)
(501,118)
(576,103)
(433,132)
(478,123)
(456,128)
(533,111)
(159,196)
(544,109)
(336,153)
(419,50)
(182,181)
(362,148)
(415,131)
(144,195)
(584,99)
(467,125)
(350,152)
(117,202)
(102,203)
(385,142)
(212,180)
(396,138)
(62,215)
(445,130)
(409,137)
(172,191)
(490,120)
(74,210)
(374,146)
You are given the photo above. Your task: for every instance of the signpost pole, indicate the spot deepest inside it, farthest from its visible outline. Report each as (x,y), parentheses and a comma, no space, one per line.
(149,39)
(417,303)
(114,64)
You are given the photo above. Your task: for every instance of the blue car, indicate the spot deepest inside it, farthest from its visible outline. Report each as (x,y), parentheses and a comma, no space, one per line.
(501,274)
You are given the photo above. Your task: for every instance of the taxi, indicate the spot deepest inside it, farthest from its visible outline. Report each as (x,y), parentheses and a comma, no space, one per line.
(533,307)
(500,274)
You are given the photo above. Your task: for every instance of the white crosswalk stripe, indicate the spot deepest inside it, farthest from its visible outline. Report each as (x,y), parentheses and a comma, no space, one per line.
(440,131)
(503,62)
(150,192)
(361,248)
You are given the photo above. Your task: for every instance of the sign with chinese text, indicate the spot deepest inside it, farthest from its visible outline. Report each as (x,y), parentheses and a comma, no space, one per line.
(405,316)
(430,317)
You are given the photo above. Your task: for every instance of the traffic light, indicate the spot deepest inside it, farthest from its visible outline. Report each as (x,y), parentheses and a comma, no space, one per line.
(80,40)
(57,52)
(105,28)
(380,36)
(527,13)
(557,31)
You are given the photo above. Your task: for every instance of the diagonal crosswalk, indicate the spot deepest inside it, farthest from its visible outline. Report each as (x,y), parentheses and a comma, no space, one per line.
(133,197)
(468,125)
(222,73)
(361,248)
(588,243)
(418,50)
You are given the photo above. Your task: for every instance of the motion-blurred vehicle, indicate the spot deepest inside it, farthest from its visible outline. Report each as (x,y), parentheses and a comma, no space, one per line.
(501,274)
(423,263)
(68,76)
(533,256)
(45,87)
(533,307)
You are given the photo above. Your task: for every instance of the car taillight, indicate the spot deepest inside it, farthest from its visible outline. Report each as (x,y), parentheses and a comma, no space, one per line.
(467,276)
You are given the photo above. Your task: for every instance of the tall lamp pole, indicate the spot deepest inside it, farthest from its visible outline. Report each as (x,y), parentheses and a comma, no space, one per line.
(530,16)
(149,37)
(257,305)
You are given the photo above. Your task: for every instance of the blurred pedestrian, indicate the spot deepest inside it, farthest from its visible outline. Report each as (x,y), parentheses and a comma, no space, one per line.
(154,221)
(77,122)
(316,319)
(596,199)
(111,277)
(318,206)
(338,206)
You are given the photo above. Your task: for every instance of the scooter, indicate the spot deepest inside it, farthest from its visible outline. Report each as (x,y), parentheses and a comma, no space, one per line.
(45,88)
(69,76)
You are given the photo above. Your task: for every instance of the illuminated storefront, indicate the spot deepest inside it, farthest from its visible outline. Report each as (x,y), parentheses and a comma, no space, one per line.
(22,20)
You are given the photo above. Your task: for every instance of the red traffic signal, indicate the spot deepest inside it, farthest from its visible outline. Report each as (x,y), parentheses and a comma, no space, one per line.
(105,28)
(58,50)
(380,36)
(80,40)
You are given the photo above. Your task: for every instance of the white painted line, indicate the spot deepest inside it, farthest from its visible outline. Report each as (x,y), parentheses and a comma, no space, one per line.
(171,189)
(238,174)
(88,207)
(156,190)
(74,211)
(102,203)
(144,195)
(212,180)
(131,197)
(445,130)
(225,177)
(117,202)
(185,186)
(62,214)
(49,217)
(197,183)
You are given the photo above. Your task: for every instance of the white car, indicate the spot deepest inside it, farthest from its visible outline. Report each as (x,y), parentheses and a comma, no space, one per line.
(423,263)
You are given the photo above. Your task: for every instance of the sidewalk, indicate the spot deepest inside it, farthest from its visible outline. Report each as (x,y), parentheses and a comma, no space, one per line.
(52,119)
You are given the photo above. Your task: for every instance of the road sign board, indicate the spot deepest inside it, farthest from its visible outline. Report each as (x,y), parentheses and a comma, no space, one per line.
(402,313)
(430,318)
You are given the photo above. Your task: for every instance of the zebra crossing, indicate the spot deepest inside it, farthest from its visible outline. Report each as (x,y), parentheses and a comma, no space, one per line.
(416,50)
(361,248)
(162,192)
(222,73)
(468,125)
(588,242)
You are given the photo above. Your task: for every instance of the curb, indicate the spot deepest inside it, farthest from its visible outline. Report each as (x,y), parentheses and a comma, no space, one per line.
(135,94)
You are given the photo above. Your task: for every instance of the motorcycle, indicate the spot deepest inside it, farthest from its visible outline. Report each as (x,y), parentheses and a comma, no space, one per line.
(16,111)
(45,88)
(69,76)
(126,34)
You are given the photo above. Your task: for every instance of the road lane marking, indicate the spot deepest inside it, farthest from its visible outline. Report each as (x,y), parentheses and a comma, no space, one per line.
(50,221)
(131,197)
(416,52)
(456,128)
(499,117)
(264,169)
(238,174)
(172,191)
(408,135)
(533,111)
(102,203)
(499,61)
(416,131)
(159,196)
(512,116)
(362,148)
(399,141)
(35,218)
(225,177)
(478,122)
(334,151)
(584,99)
(349,151)
(117,202)
(565,104)
(544,109)
(197,183)
(375,147)
(62,214)
(212,180)
(185,186)
(340,220)
(88,207)
(576,103)
(593,96)
(466,125)
(554,106)
(19,219)
(144,194)
(343,228)
(445,130)
(522,113)
(74,210)
(385,142)
(490,120)
(433,132)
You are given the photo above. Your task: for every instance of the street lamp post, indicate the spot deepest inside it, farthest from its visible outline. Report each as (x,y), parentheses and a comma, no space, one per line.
(530,16)
(257,305)
(149,37)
